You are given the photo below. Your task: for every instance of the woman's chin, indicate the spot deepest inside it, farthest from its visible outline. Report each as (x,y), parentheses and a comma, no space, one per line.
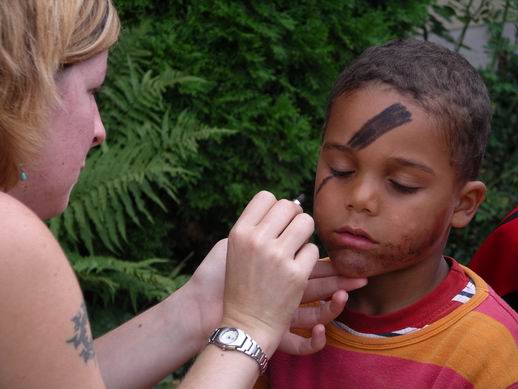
(51,210)
(52,207)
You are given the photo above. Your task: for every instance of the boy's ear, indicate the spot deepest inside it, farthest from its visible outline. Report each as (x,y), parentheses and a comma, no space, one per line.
(471,196)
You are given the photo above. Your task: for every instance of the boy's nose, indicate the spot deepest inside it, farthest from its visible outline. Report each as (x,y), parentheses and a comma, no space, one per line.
(363,197)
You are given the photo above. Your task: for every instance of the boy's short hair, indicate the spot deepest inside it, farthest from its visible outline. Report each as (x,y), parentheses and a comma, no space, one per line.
(441,82)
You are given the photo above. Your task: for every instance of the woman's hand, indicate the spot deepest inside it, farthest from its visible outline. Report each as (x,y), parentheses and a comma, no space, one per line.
(206,286)
(268,266)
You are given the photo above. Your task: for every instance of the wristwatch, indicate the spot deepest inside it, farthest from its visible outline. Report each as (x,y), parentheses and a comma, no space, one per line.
(234,339)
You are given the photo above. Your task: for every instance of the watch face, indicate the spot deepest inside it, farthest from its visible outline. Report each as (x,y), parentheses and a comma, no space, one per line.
(228,336)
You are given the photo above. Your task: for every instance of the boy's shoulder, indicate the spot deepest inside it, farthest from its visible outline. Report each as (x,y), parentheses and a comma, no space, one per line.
(492,314)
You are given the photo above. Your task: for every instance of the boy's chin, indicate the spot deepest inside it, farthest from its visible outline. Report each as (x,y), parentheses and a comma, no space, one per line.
(353,266)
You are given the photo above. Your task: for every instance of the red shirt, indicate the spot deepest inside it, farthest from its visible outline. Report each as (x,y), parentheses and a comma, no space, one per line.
(496,261)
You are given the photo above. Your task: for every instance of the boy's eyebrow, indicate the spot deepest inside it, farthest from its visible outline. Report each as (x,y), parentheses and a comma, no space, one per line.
(413,164)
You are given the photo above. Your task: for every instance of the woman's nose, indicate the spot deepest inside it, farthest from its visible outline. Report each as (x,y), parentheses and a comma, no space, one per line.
(99,131)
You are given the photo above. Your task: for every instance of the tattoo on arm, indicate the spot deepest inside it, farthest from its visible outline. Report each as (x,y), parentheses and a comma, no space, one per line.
(82,339)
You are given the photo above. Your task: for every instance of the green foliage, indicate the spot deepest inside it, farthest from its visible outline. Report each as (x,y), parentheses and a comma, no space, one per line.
(269,67)
(138,279)
(500,168)
(464,11)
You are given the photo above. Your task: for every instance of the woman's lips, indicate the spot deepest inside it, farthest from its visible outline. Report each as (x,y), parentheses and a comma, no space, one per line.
(354,238)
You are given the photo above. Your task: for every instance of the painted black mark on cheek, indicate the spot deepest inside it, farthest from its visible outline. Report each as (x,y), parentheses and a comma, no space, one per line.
(394,116)
(324,181)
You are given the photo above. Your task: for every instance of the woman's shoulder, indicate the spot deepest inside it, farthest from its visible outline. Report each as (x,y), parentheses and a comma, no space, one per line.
(15,214)
(41,306)
(30,256)
(22,234)
(28,250)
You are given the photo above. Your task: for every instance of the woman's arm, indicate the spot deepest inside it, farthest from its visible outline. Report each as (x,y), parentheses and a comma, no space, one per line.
(45,338)
(142,351)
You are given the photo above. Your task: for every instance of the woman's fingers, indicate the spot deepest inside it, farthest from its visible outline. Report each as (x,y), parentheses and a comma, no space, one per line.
(297,233)
(256,209)
(322,288)
(306,258)
(307,317)
(280,217)
(298,345)
(323,268)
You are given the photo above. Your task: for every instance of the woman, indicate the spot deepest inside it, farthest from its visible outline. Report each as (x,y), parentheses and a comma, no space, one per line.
(53,57)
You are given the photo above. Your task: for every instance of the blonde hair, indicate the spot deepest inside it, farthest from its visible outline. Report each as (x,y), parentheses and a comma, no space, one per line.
(37,39)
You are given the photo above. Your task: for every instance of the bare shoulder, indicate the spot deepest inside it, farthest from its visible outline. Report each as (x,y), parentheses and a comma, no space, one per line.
(28,251)
(44,331)
(19,224)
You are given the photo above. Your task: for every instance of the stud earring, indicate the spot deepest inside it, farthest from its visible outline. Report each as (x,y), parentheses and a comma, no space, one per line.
(23,175)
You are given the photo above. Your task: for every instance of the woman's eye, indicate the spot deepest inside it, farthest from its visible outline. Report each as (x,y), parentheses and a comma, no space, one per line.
(341,173)
(403,188)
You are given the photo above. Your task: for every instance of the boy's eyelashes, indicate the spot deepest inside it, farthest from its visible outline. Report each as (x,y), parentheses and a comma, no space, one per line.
(341,173)
(405,189)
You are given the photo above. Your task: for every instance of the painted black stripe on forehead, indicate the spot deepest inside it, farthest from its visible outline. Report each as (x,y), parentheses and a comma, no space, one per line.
(394,116)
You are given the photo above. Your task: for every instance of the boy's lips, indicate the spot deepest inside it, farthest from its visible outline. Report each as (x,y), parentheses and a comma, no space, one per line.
(355,238)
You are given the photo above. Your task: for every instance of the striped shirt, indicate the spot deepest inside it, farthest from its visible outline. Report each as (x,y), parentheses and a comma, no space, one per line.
(461,297)
(468,340)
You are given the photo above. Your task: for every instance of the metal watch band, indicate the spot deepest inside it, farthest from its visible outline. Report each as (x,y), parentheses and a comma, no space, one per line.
(243,343)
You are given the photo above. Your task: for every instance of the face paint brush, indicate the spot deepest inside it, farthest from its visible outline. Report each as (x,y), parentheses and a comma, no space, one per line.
(300,199)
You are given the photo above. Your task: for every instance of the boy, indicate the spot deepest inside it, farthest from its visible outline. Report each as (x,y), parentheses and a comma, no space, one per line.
(404,138)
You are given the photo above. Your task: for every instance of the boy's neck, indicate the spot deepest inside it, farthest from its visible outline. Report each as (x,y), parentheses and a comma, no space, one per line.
(390,292)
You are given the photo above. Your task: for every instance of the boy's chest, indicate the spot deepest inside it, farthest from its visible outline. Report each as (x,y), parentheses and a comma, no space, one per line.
(339,368)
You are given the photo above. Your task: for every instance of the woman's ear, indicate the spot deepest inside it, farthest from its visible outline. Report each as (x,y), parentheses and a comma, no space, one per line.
(470,197)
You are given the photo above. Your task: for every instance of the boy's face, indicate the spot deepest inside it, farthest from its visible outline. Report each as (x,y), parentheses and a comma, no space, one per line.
(385,189)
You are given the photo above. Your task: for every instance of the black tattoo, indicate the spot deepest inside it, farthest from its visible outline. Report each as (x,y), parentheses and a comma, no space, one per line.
(82,339)
(394,116)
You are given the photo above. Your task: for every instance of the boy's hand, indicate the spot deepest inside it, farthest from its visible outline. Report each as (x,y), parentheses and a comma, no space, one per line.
(323,283)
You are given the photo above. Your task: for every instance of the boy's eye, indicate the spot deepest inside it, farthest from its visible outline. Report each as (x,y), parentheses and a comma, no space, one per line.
(341,173)
(403,188)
